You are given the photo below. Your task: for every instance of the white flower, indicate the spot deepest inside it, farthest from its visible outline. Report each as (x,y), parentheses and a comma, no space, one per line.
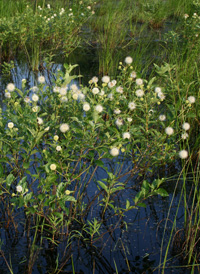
(53,167)
(34,89)
(99,108)
(39,120)
(133,74)
(162,117)
(169,130)
(110,96)
(94,79)
(10,125)
(67,192)
(161,95)
(183,154)
(157,89)
(75,96)
(81,96)
(119,122)
(186,15)
(8,94)
(129,119)
(56,137)
(119,89)
(112,83)
(48,6)
(106,79)
(63,91)
(132,105)
(64,127)
(186,126)
(95,91)
(114,151)
(126,135)
(102,93)
(27,99)
(41,79)
(184,135)
(191,99)
(63,99)
(74,87)
(23,80)
(35,109)
(56,89)
(117,111)
(58,148)
(139,82)
(10,87)
(86,107)
(47,128)
(35,97)
(128,60)
(19,188)
(139,92)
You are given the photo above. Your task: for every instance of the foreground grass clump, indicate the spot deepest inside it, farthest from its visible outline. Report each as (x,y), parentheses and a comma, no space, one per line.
(54,139)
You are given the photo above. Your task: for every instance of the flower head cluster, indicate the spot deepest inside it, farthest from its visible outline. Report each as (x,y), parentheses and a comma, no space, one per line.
(64,127)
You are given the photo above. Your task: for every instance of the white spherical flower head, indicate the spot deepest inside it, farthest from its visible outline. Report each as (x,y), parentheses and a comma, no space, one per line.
(99,108)
(157,90)
(19,188)
(183,154)
(74,87)
(64,127)
(186,126)
(81,96)
(112,83)
(58,148)
(161,95)
(117,111)
(131,105)
(10,125)
(8,95)
(41,79)
(114,151)
(53,167)
(56,89)
(119,89)
(162,117)
(169,130)
(128,60)
(27,99)
(191,99)
(75,96)
(139,82)
(95,91)
(67,192)
(10,87)
(119,122)
(106,79)
(139,93)
(63,91)
(39,120)
(184,136)
(35,97)
(110,96)
(86,107)
(47,128)
(34,89)
(63,99)
(56,137)
(129,119)
(133,74)
(126,135)
(102,93)
(35,109)
(94,79)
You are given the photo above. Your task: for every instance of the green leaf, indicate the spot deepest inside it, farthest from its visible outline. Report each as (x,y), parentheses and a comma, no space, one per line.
(141,204)
(99,163)
(1,171)
(162,192)
(103,185)
(10,179)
